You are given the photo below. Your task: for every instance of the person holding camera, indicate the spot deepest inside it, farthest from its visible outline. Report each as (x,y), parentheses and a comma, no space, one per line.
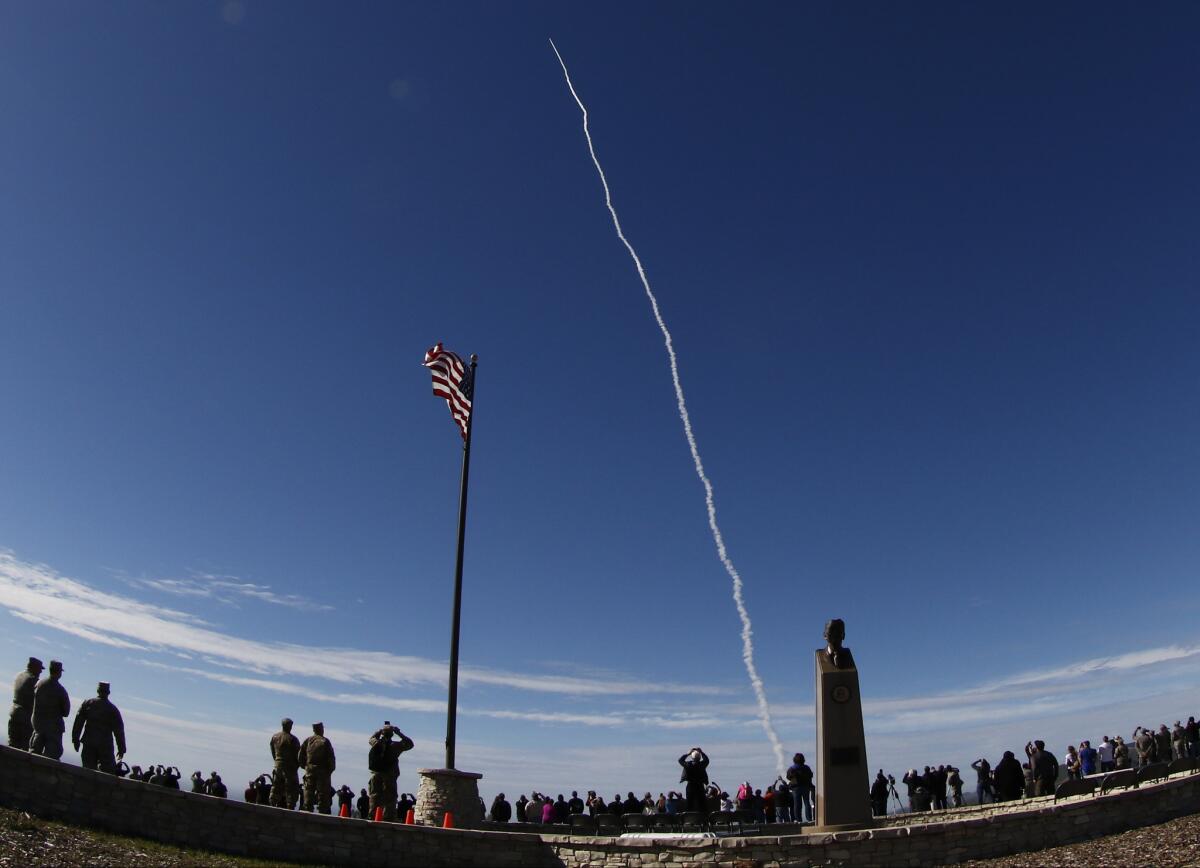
(695,775)
(383,761)
(879,795)
(983,780)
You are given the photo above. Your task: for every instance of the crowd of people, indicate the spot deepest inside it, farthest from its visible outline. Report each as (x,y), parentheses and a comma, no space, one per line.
(792,799)
(41,706)
(302,772)
(789,798)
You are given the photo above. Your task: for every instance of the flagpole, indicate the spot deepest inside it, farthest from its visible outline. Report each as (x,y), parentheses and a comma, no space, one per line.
(452,702)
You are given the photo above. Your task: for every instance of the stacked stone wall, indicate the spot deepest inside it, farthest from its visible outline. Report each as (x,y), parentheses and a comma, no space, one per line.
(51,789)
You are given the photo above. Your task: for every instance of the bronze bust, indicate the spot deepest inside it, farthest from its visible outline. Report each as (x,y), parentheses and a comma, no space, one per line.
(835,633)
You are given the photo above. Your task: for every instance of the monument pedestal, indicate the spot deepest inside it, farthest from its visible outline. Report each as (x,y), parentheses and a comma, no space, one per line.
(443,790)
(843,782)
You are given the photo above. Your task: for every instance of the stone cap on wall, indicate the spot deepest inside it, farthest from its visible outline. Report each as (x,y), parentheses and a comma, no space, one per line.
(450,773)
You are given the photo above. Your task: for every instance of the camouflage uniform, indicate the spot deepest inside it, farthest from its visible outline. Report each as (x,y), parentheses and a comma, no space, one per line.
(50,706)
(285,749)
(382,786)
(319,762)
(99,722)
(20,718)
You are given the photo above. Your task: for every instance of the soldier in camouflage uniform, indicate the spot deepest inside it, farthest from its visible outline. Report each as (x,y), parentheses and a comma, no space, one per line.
(51,705)
(316,756)
(285,751)
(96,725)
(384,763)
(20,718)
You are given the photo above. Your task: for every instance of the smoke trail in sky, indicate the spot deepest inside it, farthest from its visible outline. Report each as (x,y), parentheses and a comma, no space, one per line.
(764,710)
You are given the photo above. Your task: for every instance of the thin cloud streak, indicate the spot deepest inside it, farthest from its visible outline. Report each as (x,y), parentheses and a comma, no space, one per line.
(438,706)
(39,595)
(226,589)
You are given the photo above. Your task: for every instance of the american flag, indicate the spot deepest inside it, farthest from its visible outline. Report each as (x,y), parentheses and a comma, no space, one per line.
(452,380)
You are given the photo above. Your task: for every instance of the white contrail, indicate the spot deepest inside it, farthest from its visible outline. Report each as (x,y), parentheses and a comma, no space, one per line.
(764,710)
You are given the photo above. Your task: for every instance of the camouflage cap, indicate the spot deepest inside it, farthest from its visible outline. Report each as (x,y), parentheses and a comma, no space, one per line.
(34,663)
(318,725)
(286,722)
(103,687)
(55,666)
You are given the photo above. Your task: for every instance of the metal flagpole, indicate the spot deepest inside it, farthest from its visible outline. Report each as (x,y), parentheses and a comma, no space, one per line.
(452,702)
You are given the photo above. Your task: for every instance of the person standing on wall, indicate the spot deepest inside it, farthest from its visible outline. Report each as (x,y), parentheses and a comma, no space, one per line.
(695,775)
(97,724)
(51,706)
(20,718)
(383,761)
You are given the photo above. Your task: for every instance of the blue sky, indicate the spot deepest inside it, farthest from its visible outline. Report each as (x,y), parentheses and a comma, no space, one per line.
(931,275)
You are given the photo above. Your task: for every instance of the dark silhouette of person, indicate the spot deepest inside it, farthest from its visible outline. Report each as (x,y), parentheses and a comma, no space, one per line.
(20,718)
(695,777)
(983,780)
(800,782)
(501,809)
(1044,766)
(1008,778)
(561,809)
(285,754)
(97,724)
(384,763)
(51,705)
(879,795)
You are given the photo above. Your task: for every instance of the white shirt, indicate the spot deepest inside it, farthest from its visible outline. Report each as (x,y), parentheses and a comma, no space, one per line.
(1106,751)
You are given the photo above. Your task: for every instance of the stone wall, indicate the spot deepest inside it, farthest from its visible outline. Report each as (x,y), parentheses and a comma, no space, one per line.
(56,790)
(51,789)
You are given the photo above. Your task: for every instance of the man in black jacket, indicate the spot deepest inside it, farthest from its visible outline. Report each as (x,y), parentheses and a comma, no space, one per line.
(879,795)
(695,775)
(1008,778)
(501,810)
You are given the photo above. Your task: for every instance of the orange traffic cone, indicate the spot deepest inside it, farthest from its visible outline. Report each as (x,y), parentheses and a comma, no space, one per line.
(378,818)
(410,817)
(345,811)
(448,821)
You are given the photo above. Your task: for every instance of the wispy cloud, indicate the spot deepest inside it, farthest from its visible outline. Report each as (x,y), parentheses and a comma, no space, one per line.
(38,594)
(1055,689)
(612,719)
(229,590)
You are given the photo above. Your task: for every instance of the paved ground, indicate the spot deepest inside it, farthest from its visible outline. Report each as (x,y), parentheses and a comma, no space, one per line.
(28,841)
(1174,843)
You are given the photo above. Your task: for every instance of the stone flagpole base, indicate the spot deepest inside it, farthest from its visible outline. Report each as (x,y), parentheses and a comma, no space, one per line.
(443,790)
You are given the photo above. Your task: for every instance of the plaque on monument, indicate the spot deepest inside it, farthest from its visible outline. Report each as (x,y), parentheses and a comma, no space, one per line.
(842,779)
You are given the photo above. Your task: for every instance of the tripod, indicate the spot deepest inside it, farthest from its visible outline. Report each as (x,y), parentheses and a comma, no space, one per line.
(896,796)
